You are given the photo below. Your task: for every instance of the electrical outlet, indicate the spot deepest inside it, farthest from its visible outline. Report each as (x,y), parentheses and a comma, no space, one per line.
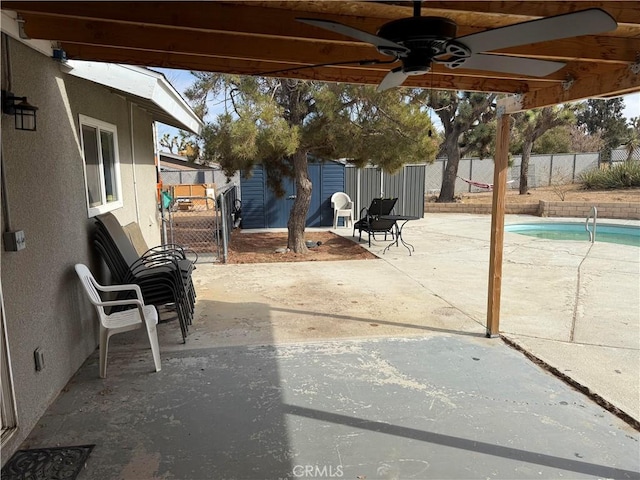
(38,357)
(14,241)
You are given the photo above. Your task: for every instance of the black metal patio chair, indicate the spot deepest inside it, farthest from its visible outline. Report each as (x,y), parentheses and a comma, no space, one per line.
(370,221)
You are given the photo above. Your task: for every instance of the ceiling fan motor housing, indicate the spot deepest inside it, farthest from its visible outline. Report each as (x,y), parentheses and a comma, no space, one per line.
(425,37)
(417,32)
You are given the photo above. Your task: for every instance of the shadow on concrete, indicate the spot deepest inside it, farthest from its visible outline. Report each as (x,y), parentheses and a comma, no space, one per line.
(462,443)
(370,408)
(209,413)
(426,328)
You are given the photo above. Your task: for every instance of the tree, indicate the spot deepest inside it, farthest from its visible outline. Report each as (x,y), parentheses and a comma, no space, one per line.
(169,142)
(604,116)
(530,125)
(633,140)
(467,120)
(184,147)
(279,122)
(556,140)
(582,141)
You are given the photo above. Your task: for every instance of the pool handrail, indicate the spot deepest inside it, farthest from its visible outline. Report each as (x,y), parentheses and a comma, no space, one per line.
(593,213)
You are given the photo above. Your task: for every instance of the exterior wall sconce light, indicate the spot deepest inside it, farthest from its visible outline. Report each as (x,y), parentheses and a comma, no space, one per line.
(24,112)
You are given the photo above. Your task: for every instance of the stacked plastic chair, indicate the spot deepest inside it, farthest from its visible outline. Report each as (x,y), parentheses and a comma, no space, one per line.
(120,321)
(163,273)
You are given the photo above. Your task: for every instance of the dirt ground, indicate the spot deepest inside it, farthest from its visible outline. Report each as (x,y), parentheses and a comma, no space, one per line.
(261,247)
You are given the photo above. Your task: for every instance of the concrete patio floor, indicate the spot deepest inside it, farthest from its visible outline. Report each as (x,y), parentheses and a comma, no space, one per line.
(378,369)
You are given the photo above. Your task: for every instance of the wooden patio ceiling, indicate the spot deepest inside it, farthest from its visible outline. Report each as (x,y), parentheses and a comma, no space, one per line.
(259,37)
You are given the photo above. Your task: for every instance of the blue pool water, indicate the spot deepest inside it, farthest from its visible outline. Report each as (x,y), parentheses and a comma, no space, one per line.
(621,234)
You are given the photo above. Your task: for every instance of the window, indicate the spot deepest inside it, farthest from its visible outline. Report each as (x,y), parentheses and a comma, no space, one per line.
(101,165)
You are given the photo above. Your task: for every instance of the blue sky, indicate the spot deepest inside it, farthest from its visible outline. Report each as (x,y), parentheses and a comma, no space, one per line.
(181,79)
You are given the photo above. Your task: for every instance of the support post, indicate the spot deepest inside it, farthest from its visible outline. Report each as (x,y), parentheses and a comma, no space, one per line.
(497,224)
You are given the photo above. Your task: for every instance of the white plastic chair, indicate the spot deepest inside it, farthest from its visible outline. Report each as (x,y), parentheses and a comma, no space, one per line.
(121,321)
(342,207)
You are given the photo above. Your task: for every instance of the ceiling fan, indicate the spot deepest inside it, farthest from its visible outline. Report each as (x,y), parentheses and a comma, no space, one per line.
(418,42)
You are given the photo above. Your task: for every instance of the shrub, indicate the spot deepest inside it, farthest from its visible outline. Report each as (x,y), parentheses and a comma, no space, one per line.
(621,175)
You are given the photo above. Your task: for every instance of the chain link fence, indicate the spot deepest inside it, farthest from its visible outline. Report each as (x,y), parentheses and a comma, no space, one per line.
(201,224)
(193,222)
(631,152)
(193,177)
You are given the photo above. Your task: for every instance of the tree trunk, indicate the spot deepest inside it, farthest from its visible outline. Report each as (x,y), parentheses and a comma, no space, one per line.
(448,189)
(524,167)
(605,158)
(298,216)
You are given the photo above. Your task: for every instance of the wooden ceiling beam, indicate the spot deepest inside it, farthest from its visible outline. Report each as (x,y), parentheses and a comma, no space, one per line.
(258,17)
(586,48)
(624,12)
(251,37)
(155,38)
(261,16)
(206,16)
(251,67)
(91,52)
(490,14)
(575,69)
(616,82)
(221,17)
(271,48)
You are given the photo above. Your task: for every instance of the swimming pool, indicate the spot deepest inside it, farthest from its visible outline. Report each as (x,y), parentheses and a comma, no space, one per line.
(620,234)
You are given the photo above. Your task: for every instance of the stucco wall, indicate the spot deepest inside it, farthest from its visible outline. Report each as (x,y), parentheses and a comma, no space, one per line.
(86,98)
(43,303)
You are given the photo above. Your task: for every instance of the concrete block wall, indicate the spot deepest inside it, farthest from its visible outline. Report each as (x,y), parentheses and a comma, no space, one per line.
(627,211)
(481,209)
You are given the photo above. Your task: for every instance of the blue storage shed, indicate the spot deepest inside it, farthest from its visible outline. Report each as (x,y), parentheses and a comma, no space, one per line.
(262,209)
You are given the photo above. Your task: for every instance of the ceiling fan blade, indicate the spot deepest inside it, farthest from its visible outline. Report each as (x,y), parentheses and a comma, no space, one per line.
(355,33)
(575,24)
(394,78)
(505,64)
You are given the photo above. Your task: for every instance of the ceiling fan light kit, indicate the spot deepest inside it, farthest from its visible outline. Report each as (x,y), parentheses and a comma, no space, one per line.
(417,42)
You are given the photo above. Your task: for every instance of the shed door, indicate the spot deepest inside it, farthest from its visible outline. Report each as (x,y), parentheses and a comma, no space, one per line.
(277,209)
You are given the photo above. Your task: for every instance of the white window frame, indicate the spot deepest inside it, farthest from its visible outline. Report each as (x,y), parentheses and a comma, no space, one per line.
(105,206)
(8,413)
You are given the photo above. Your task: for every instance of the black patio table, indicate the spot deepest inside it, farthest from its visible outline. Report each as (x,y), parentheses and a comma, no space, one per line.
(400,221)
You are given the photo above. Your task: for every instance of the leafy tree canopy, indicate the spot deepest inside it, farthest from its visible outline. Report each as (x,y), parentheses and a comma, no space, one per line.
(467,120)
(556,140)
(267,120)
(604,117)
(530,125)
(278,122)
(544,128)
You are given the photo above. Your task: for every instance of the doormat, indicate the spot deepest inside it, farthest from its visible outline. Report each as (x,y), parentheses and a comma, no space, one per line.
(46,463)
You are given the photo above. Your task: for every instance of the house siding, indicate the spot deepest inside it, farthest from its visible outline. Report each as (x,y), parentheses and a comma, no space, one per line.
(45,197)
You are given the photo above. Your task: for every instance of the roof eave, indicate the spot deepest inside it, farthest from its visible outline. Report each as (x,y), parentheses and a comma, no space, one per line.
(145,87)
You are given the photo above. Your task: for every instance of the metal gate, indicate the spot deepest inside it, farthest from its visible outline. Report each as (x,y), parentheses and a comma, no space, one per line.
(194,223)
(203,225)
